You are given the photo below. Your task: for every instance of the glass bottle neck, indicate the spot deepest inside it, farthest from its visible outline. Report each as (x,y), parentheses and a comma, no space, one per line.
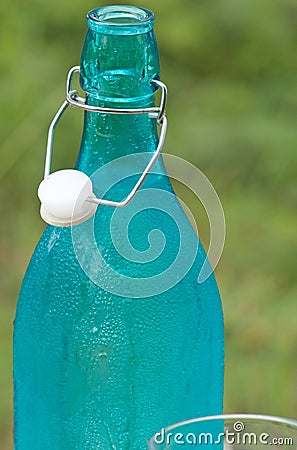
(120,54)
(118,62)
(107,137)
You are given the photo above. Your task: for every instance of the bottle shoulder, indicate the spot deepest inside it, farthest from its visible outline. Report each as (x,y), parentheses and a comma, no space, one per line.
(144,249)
(115,256)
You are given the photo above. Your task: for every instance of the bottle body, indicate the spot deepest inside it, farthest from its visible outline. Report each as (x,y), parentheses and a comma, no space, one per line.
(95,368)
(100,371)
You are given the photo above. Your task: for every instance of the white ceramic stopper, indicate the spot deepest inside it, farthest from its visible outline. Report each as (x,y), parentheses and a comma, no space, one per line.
(63,195)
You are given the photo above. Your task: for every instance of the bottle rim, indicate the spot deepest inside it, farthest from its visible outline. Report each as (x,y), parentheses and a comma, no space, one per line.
(121,19)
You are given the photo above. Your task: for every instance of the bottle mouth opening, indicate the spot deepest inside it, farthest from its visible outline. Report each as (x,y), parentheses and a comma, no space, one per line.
(120,19)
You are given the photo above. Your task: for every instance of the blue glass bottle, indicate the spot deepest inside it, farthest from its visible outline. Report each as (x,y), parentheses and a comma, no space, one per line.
(95,368)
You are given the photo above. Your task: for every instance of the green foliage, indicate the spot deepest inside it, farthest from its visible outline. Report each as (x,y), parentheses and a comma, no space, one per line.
(231,67)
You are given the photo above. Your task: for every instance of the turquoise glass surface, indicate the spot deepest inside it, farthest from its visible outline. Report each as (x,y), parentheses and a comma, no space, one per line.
(100,362)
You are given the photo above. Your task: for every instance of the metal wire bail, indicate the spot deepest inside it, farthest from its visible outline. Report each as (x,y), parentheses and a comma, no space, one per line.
(80,102)
(73,99)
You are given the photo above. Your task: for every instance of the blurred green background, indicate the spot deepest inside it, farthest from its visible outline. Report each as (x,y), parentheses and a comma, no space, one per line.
(231,68)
